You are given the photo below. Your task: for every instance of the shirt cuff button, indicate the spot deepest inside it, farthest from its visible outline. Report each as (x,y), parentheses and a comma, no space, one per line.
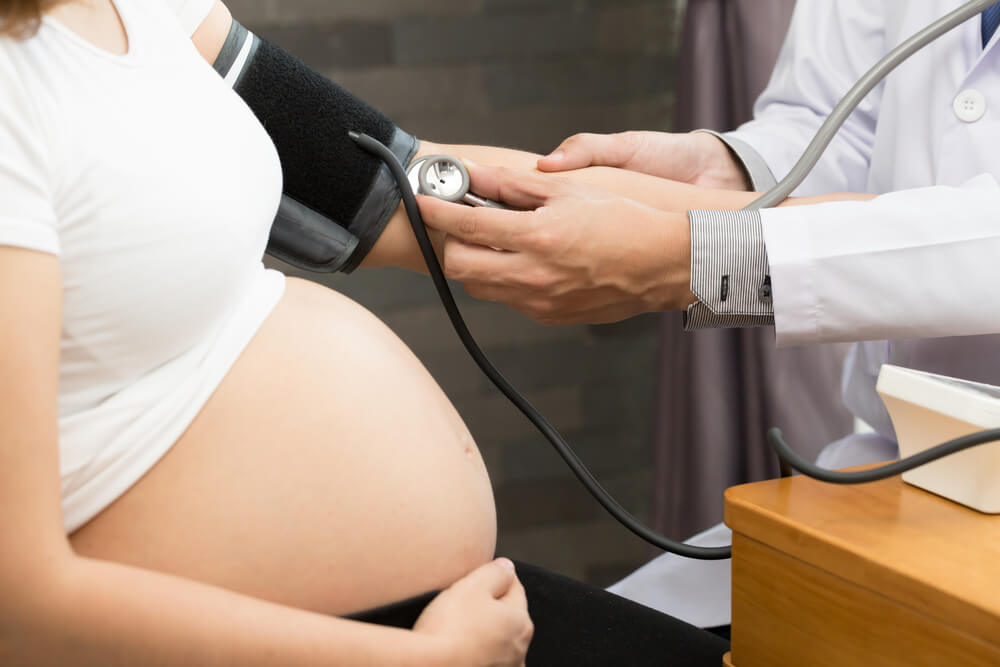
(764,293)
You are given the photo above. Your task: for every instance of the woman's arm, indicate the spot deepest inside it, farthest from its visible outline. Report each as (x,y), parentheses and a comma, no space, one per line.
(61,609)
(398,247)
(661,193)
(58,608)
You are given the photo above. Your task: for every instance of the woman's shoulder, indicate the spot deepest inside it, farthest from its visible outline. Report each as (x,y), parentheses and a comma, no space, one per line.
(9,47)
(190,13)
(15,104)
(26,215)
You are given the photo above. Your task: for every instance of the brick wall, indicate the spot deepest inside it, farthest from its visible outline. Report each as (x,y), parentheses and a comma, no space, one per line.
(520,73)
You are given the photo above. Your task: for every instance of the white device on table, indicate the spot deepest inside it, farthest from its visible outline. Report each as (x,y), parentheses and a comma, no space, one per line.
(927,409)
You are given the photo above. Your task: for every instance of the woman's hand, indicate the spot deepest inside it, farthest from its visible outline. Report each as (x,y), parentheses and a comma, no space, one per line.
(697,158)
(573,254)
(482,619)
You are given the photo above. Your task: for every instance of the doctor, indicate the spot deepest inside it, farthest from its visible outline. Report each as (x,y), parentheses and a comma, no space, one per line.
(908,266)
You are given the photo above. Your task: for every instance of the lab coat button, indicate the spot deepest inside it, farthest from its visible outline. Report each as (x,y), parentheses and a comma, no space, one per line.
(969,105)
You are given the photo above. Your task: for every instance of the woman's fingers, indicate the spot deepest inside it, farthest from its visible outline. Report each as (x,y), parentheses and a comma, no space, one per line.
(517,601)
(483,617)
(495,577)
(515,595)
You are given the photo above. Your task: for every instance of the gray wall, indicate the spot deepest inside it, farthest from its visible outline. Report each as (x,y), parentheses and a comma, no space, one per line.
(525,74)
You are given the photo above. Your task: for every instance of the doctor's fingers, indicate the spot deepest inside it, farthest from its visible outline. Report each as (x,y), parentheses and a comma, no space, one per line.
(536,306)
(482,225)
(519,188)
(481,270)
(513,279)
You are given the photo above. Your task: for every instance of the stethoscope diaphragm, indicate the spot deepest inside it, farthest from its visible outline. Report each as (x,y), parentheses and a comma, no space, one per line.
(445,177)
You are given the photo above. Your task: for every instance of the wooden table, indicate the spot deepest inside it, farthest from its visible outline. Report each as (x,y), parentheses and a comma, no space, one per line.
(871,575)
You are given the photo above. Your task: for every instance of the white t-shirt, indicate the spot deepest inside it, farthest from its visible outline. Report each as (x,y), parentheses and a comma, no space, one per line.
(156,187)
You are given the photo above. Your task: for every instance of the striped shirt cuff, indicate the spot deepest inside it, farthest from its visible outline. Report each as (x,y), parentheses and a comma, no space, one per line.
(729,271)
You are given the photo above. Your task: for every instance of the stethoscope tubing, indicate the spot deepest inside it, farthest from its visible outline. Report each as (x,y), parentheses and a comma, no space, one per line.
(775,196)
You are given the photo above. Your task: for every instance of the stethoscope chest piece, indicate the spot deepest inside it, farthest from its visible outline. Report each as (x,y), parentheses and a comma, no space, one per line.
(444,177)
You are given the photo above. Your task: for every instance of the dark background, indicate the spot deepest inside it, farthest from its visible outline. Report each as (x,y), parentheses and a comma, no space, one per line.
(523,74)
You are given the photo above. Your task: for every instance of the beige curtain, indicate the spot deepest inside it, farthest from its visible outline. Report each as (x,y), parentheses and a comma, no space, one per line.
(719,391)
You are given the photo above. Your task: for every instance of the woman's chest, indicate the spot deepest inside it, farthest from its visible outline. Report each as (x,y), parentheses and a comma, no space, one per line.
(164,188)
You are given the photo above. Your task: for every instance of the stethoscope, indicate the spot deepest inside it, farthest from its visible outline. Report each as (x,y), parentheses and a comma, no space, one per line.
(447,178)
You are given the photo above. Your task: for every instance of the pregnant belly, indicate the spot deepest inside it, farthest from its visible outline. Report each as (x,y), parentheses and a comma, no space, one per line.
(328,471)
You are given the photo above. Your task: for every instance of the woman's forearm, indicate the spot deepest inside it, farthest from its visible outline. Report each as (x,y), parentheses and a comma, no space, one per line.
(397,246)
(650,190)
(100,613)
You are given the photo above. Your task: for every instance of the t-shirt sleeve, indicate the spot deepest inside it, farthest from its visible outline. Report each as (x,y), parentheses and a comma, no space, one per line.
(27,214)
(190,13)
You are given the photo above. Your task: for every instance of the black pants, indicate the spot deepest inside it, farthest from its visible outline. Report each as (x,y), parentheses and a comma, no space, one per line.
(583,626)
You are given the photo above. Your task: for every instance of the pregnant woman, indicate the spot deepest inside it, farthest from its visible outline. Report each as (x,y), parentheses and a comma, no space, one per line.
(201,460)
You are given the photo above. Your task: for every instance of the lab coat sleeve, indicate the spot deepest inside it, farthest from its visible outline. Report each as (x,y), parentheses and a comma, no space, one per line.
(756,170)
(829,46)
(910,264)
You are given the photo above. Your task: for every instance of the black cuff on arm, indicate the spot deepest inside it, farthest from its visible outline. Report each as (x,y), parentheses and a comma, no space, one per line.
(308,118)
(729,271)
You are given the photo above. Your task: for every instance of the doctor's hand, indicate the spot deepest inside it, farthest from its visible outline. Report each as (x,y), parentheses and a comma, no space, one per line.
(574,254)
(697,158)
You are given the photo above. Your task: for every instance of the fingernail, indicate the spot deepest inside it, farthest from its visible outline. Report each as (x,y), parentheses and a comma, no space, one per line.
(558,155)
(506,563)
(470,163)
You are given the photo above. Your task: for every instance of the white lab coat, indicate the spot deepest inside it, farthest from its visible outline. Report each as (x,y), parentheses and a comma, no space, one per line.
(916,265)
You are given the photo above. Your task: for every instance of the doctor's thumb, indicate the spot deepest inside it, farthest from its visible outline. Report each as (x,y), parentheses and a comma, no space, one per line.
(585,150)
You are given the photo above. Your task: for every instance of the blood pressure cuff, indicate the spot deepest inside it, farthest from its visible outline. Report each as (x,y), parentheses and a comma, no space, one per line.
(337,198)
